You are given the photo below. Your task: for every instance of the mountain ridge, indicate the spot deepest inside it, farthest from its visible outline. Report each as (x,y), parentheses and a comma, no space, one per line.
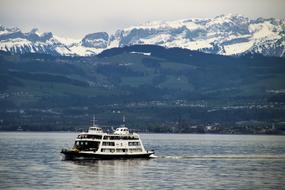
(224,35)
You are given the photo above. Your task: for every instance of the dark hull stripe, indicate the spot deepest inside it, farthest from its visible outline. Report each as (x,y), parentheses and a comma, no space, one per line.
(77,155)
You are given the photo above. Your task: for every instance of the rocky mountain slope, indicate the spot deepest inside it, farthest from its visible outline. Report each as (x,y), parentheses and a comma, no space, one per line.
(224,35)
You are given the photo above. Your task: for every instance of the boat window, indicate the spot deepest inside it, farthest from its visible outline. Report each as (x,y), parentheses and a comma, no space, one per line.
(135,150)
(107,150)
(106,137)
(108,143)
(134,143)
(95,136)
(121,150)
(87,145)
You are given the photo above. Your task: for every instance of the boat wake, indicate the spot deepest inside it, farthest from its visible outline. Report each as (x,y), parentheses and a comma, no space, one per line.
(226,157)
(153,156)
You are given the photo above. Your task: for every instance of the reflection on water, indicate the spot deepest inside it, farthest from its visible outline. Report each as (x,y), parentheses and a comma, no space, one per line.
(117,164)
(115,173)
(32,161)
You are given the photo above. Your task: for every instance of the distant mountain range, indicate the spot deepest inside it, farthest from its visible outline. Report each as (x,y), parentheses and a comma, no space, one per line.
(223,35)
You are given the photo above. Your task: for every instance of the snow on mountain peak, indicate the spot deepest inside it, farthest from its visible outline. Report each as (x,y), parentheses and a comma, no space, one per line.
(35,31)
(4,30)
(229,34)
(66,41)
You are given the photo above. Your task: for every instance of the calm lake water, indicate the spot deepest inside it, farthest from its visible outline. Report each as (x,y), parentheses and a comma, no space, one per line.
(33,161)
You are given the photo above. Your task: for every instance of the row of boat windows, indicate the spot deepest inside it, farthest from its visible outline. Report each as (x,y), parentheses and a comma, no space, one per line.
(107,137)
(113,144)
(121,150)
(120,138)
(89,137)
(85,145)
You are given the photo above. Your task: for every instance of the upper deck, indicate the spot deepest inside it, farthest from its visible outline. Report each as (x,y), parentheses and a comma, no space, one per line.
(106,136)
(97,133)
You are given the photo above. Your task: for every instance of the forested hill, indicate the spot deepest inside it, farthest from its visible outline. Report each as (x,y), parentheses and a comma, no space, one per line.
(153,86)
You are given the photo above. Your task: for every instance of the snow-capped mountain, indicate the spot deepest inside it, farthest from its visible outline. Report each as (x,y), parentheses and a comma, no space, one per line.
(15,41)
(225,35)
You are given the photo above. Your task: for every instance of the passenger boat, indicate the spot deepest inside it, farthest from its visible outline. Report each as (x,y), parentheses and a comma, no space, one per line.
(96,144)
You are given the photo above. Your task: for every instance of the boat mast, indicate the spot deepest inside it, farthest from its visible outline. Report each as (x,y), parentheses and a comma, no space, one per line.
(124,121)
(93,120)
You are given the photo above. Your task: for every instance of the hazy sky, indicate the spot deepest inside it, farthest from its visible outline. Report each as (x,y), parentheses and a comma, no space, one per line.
(74,19)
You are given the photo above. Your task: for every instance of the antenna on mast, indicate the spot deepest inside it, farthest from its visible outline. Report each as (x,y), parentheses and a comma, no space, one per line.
(124,121)
(93,120)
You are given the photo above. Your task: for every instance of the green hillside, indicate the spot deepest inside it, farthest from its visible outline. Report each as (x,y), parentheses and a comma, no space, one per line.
(167,88)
